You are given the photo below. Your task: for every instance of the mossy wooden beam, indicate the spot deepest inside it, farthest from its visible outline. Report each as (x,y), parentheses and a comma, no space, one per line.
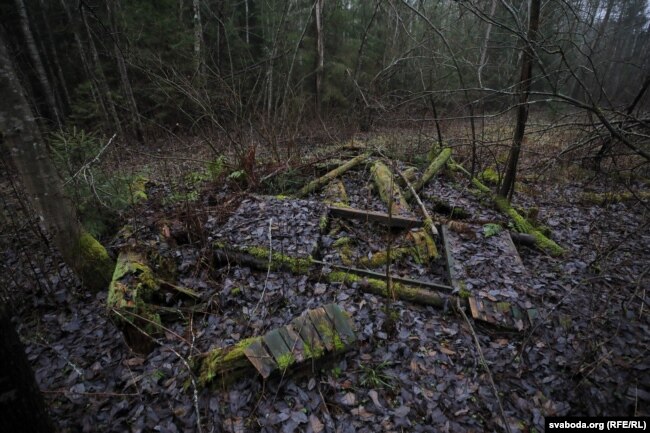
(424,247)
(224,365)
(95,266)
(326,178)
(389,190)
(379,287)
(436,165)
(258,257)
(521,224)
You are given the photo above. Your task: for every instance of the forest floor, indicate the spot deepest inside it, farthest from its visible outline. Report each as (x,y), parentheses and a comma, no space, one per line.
(588,354)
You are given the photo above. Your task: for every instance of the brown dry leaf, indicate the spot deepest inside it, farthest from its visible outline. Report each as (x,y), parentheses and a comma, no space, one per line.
(315,423)
(446,351)
(134,362)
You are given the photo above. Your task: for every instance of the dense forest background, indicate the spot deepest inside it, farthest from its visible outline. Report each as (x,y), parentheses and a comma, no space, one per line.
(257,72)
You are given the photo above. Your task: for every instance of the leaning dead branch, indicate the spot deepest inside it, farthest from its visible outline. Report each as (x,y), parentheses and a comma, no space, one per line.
(428,221)
(325,179)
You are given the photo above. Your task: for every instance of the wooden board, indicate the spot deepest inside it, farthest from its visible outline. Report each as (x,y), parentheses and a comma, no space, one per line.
(377,217)
(314,346)
(342,323)
(294,342)
(324,327)
(260,358)
(278,348)
(502,314)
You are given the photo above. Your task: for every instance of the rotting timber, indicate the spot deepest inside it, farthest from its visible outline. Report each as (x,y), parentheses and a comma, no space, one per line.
(317,336)
(266,249)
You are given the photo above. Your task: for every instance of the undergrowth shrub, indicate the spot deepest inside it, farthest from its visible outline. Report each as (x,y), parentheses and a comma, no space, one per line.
(100,196)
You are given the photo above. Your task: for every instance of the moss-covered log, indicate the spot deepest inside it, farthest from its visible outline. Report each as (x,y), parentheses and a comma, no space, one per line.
(325,179)
(436,165)
(95,266)
(388,189)
(130,297)
(613,197)
(223,366)
(258,257)
(379,287)
(335,194)
(521,223)
(424,247)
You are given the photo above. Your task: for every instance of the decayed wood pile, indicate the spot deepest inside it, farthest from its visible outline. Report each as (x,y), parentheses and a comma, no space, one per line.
(315,336)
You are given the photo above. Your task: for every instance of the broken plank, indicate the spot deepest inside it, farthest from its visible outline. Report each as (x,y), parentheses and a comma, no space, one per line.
(342,323)
(325,329)
(314,347)
(396,221)
(261,359)
(279,349)
(294,343)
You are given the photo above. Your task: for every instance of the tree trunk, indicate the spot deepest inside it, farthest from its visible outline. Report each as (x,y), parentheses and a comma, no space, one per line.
(320,54)
(102,83)
(38,64)
(94,88)
(198,39)
(22,409)
(55,56)
(508,185)
(113,8)
(28,154)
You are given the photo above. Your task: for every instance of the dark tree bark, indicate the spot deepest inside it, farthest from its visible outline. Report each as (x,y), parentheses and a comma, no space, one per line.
(22,409)
(508,185)
(38,63)
(21,140)
(112,8)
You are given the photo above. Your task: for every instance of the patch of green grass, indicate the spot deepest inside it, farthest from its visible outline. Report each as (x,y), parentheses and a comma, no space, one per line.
(376,376)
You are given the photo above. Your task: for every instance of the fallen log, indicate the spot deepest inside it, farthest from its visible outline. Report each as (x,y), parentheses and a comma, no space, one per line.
(388,190)
(335,194)
(433,168)
(379,287)
(130,294)
(522,224)
(326,178)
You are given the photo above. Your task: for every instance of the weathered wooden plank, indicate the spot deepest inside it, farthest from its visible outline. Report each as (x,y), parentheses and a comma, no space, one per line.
(279,349)
(294,343)
(325,329)
(378,217)
(342,323)
(382,276)
(261,359)
(314,347)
